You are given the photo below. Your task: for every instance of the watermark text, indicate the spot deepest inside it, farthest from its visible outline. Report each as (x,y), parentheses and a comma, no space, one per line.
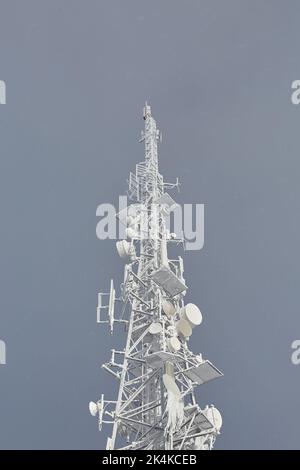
(2,92)
(139,222)
(295,357)
(2,352)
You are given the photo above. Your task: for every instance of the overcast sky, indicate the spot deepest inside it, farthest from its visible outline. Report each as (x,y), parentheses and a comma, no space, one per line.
(218,76)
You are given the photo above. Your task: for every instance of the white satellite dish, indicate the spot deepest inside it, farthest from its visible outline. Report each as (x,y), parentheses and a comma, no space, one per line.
(168,308)
(184,328)
(174,344)
(93,408)
(215,417)
(192,314)
(155,328)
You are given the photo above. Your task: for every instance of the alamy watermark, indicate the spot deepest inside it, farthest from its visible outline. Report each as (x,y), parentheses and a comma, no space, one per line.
(2,352)
(295,96)
(2,92)
(136,221)
(295,356)
(295,346)
(2,343)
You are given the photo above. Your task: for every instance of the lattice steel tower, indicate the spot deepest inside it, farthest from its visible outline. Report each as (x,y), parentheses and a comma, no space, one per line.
(157,372)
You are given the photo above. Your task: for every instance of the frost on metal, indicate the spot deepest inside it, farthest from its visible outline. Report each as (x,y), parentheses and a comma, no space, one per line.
(157,373)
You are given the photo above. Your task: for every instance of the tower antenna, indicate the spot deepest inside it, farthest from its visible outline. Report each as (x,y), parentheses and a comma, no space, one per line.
(157,373)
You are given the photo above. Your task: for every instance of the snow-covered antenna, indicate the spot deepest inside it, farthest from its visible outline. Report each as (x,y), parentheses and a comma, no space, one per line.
(157,372)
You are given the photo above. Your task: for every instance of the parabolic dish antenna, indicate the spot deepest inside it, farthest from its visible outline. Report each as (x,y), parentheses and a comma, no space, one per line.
(192,314)
(168,308)
(174,344)
(155,328)
(214,416)
(93,407)
(184,328)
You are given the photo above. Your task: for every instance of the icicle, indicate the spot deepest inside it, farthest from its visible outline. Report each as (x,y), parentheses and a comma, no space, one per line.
(175,412)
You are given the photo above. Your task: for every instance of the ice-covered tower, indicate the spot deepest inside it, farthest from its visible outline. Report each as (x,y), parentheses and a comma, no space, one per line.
(157,373)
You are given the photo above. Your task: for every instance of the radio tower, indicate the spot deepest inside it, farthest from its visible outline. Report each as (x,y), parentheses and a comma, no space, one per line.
(157,372)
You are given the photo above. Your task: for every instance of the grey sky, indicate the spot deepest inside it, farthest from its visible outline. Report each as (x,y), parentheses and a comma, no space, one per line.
(218,77)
